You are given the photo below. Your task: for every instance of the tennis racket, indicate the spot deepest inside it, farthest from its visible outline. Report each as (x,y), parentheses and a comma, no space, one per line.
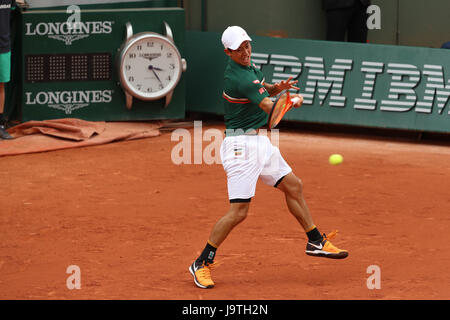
(283,103)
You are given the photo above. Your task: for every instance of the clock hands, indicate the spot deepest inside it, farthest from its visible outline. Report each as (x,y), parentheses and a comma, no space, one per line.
(152,68)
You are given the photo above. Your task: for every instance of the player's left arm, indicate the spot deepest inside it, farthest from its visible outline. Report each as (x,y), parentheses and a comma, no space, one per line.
(274,89)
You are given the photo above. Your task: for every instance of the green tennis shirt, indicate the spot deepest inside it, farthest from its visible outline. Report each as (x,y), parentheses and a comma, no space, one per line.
(243,92)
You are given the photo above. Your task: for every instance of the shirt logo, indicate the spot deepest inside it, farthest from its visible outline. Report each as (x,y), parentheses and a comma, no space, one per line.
(255,81)
(261,90)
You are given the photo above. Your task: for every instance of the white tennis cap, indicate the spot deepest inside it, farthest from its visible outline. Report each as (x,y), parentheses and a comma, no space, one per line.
(233,36)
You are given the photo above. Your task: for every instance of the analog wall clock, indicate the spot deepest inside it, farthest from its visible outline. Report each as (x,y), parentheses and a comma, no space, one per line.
(149,65)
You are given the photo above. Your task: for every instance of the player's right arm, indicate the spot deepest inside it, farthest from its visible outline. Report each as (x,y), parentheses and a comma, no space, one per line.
(266,105)
(273,89)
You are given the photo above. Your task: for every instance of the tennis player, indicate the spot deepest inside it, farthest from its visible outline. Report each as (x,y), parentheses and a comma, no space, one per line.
(247,156)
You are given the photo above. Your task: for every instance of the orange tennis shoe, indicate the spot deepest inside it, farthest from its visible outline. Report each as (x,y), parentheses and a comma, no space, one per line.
(324,248)
(202,274)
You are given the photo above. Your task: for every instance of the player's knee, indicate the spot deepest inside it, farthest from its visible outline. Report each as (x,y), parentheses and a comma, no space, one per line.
(295,187)
(239,217)
(239,212)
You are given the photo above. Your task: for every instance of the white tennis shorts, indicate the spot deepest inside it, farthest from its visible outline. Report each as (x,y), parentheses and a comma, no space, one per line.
(246,158)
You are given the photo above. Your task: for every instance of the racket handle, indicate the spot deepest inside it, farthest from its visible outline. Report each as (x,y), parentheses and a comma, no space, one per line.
(295,100)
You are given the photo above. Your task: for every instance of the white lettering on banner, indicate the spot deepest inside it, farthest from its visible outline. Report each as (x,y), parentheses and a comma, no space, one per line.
(405,78)
(260,59)
(402,95)
(68,31)
(370,70)
(333,81)
(68,101)
(285,67)
(435,86)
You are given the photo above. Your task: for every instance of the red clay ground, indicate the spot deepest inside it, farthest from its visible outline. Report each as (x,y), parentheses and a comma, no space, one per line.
(133,222)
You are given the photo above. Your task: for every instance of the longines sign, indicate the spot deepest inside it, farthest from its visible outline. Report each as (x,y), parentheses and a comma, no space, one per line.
(68,32)
(68,101)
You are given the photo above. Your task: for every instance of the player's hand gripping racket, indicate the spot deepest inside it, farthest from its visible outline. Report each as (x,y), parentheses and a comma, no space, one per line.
(283,103)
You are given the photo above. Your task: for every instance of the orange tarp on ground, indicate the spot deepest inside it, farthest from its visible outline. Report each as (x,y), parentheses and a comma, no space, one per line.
(47,135)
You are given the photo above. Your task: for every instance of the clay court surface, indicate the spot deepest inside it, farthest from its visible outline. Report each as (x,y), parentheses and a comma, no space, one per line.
(133,222)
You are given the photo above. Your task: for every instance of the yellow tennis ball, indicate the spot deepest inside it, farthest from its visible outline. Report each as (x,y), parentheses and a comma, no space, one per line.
(335,159)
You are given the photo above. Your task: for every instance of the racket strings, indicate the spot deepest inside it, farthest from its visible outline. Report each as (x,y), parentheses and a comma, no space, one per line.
(285,108)
(283,105)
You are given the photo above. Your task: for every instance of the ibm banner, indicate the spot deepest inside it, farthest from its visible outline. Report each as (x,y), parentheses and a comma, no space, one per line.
(354,84)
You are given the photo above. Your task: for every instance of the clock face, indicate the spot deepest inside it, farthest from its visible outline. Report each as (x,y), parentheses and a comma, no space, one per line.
(150,66)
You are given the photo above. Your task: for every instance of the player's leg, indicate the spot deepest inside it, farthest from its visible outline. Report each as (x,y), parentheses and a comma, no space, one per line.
(237,213)
(318,245)
(292,187)
(201,268)
(278,173)
(239,159)
(5,74)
